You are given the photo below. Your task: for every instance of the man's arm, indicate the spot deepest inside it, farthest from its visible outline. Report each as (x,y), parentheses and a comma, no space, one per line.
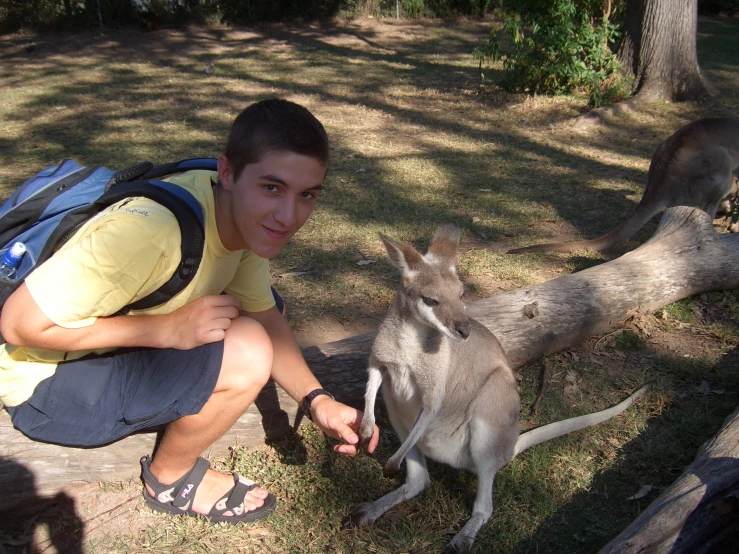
(292,373)
(199,322)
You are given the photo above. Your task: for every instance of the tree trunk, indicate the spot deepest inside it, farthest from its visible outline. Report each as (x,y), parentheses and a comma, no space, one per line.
(659,49)
(697,513)
(685,257)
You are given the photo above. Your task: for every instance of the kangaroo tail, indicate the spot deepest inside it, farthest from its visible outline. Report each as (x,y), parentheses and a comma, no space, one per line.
(638,218)
(560,428)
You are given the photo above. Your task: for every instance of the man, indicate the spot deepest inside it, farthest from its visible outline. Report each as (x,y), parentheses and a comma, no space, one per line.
(74,373)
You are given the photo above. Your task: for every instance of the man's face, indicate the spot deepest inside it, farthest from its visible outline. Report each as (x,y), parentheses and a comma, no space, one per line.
(269,201)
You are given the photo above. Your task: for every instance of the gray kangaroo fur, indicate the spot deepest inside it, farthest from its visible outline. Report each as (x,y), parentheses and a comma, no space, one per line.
(693,167)
(447,385)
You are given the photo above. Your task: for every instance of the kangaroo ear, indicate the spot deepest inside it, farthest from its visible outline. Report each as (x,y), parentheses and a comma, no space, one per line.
(444,243)
(402,255)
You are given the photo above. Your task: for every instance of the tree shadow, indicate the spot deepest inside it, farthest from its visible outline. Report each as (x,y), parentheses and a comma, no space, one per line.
(64,530)
(277,56)
(274,53)
(656,457)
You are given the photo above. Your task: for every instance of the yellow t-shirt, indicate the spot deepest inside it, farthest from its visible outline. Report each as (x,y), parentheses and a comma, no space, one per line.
(118,257)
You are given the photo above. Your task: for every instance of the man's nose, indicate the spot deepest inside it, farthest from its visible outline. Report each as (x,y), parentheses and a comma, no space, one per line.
(286,212)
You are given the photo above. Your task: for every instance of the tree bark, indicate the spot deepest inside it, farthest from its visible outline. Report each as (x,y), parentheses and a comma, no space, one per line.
(697,513)
(685,257)
(658,48)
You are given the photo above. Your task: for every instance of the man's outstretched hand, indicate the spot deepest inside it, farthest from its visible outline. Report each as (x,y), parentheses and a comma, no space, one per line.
(341,422)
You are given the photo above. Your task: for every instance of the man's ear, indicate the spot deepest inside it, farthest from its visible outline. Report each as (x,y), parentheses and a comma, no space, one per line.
(225,172)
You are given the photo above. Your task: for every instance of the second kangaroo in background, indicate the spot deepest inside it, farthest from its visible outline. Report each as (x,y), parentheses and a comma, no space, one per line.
(449,391)
(693,167)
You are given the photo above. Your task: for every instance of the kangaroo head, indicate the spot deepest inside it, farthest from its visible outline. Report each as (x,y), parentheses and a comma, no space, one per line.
(431,292)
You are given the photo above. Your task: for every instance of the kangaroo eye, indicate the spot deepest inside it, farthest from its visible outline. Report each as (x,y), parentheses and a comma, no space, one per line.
(430,301)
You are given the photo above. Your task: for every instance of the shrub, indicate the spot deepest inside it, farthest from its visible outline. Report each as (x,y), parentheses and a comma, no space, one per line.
(557,48)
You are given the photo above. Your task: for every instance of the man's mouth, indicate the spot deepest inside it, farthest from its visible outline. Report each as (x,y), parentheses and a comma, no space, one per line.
(275,233)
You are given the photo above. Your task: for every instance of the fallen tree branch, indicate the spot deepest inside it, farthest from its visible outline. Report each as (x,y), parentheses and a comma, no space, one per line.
(685,257)
(598,116)
(697,513)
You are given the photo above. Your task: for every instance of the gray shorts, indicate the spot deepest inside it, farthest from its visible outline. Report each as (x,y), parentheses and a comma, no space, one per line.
(99,399)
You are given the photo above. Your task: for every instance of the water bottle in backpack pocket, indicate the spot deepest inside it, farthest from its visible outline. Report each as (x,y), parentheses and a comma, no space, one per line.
(10,261)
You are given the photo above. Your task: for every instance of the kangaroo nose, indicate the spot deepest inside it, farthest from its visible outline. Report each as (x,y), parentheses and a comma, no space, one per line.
(463,328)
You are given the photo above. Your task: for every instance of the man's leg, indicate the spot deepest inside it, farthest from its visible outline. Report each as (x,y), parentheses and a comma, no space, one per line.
(246,367)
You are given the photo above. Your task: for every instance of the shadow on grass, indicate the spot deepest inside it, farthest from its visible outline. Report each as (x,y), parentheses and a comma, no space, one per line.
(340,64)
(350,67)
(657,457)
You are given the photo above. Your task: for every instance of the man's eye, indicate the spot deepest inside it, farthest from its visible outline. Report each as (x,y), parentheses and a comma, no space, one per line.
(310,195)
(271,188)
(430,301)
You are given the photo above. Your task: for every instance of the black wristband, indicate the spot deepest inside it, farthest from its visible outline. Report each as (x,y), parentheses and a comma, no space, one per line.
(305,404)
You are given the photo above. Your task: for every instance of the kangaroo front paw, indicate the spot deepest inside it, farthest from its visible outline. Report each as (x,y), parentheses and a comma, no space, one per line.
(390,469)
(366,430)
(364,444)
(358,517)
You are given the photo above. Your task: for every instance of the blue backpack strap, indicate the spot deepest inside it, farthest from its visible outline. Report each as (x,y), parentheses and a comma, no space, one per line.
(208,164)
(189,215)
(193,236)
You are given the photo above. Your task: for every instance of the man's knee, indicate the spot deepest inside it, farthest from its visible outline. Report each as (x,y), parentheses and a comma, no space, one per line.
(247,356)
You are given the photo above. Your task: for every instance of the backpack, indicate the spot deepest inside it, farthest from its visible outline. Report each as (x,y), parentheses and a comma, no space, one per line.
(47,209)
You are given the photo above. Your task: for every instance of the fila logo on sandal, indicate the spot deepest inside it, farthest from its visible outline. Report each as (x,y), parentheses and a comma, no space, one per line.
(186,490)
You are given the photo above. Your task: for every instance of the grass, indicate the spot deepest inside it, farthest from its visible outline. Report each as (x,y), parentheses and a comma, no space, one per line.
(416,141)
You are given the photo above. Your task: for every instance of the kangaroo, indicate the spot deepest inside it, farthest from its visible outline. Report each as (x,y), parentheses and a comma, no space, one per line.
(693,167)
(448,388)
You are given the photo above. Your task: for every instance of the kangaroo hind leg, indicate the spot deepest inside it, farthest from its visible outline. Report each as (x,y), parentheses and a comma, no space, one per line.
(417,480)
(491,449)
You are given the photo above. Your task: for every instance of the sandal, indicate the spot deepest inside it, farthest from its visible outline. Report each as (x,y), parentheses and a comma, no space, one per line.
(175,498)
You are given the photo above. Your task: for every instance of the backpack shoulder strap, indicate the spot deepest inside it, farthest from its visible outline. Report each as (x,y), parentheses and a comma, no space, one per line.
(175,199)
(145,171)
(208,164)
(190,218)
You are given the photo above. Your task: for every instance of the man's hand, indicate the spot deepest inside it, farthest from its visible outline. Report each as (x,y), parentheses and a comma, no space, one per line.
(202,321)
(341,422)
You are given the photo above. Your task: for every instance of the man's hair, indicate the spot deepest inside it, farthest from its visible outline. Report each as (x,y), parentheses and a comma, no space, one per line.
(275,125)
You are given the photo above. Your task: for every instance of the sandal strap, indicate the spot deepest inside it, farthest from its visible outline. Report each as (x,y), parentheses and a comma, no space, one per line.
(190,483)
(179,492)
(238,494)
(234,499)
